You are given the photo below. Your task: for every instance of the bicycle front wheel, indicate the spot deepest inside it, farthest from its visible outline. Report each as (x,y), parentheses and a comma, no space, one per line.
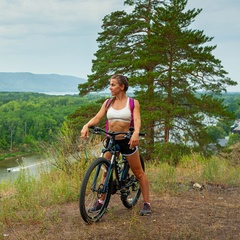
(131,193)
(96,185)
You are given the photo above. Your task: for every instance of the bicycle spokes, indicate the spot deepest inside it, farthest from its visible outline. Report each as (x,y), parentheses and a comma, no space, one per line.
(96,186)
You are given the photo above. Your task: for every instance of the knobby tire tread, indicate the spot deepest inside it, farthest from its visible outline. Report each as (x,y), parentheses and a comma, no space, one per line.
(83,210)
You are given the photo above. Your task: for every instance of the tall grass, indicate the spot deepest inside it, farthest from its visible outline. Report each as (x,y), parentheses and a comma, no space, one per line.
(28,199)
(194,168)
(161,176)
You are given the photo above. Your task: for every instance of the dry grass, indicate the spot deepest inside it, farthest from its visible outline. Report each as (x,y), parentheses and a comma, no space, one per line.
(47,208)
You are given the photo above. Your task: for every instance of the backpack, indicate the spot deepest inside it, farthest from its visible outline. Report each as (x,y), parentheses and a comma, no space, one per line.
(131,102)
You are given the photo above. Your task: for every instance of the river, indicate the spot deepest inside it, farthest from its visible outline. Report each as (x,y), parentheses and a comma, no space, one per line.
(10,168)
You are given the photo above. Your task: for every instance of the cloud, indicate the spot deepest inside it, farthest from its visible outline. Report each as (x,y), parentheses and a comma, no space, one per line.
(59,36)
(218,17)
(51,36)
(31,25)
(21,18)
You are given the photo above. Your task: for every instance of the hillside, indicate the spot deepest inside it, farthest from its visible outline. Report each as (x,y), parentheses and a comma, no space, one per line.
(189,215)
(29,82)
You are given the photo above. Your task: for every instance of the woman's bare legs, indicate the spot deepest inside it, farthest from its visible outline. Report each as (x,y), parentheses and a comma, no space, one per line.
(136,167)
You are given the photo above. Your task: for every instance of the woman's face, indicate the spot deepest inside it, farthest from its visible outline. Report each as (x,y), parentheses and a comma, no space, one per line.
(115,87)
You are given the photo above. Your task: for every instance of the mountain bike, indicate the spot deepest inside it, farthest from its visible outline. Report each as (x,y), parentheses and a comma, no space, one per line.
(105,177)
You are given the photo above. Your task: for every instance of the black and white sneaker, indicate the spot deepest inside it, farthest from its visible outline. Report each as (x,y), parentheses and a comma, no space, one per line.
(96,207)
(146,210)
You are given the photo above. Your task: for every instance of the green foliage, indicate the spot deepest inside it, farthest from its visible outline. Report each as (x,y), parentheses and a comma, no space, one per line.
(82,114)
(192,168)
(168,62)
(66,149)
(169,153)
(216,132)
(233,139)
(26,119)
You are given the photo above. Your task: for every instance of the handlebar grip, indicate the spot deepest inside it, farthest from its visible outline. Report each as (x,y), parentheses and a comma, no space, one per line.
(131,129)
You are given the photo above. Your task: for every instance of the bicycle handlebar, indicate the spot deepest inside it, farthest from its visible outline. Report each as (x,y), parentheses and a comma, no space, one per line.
(98,130)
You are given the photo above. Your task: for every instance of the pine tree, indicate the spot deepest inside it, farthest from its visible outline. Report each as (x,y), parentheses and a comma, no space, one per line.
(168,63)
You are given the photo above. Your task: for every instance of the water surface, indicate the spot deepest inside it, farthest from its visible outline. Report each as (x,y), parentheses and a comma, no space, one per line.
(10,168)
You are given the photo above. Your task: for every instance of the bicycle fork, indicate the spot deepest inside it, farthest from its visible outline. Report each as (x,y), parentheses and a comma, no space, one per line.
(107,175)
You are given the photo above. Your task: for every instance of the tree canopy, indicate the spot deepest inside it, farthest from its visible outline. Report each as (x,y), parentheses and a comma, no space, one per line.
(26,119)
(168,64)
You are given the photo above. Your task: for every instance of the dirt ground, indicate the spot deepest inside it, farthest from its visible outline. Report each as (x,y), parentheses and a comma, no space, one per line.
(213,213)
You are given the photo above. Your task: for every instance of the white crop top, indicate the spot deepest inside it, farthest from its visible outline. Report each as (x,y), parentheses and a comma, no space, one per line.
(122,115)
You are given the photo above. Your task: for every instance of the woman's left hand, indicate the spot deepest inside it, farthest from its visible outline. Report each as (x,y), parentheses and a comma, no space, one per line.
(134,140)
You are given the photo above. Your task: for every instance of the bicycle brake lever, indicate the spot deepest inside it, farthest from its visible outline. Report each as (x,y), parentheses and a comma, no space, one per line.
(128,135)
(96,130)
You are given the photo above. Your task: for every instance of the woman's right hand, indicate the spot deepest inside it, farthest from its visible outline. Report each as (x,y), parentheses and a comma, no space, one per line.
(94,121)
(84,132)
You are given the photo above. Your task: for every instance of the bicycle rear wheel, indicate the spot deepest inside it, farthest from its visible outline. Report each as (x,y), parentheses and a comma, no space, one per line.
(131,193)
(94,188)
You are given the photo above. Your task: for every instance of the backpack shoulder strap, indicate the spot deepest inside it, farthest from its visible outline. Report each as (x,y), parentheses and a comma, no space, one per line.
(108,102)
(131,102)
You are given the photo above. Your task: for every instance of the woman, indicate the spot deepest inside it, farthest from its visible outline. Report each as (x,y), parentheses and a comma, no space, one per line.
(119,118)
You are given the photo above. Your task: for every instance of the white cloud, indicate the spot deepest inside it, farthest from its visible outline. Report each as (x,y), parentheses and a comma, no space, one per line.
(59,36)
(23,17)
(51,35)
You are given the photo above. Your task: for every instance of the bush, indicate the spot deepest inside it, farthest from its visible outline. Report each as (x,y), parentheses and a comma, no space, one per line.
(170,153)
(233,139)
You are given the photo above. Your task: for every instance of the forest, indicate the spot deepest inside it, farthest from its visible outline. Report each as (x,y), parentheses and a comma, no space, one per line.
(178,81)
(29,119)
(185,109)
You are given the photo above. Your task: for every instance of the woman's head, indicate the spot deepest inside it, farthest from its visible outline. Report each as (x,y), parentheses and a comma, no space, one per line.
(122,80)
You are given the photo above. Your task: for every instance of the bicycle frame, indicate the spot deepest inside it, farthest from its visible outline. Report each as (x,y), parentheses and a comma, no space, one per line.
(114,165)
(98,182)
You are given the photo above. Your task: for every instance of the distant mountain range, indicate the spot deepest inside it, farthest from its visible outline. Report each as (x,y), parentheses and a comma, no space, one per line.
(29,82)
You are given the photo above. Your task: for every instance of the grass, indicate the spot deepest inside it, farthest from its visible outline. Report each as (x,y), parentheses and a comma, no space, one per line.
(194,168)
(209,170)
(4,156)
(27,199)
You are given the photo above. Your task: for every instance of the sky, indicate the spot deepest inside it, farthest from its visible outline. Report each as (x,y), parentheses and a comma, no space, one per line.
(59,36)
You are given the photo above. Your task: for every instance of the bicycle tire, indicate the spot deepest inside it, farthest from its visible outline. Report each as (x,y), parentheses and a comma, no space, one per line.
(133,192)
(91,188)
